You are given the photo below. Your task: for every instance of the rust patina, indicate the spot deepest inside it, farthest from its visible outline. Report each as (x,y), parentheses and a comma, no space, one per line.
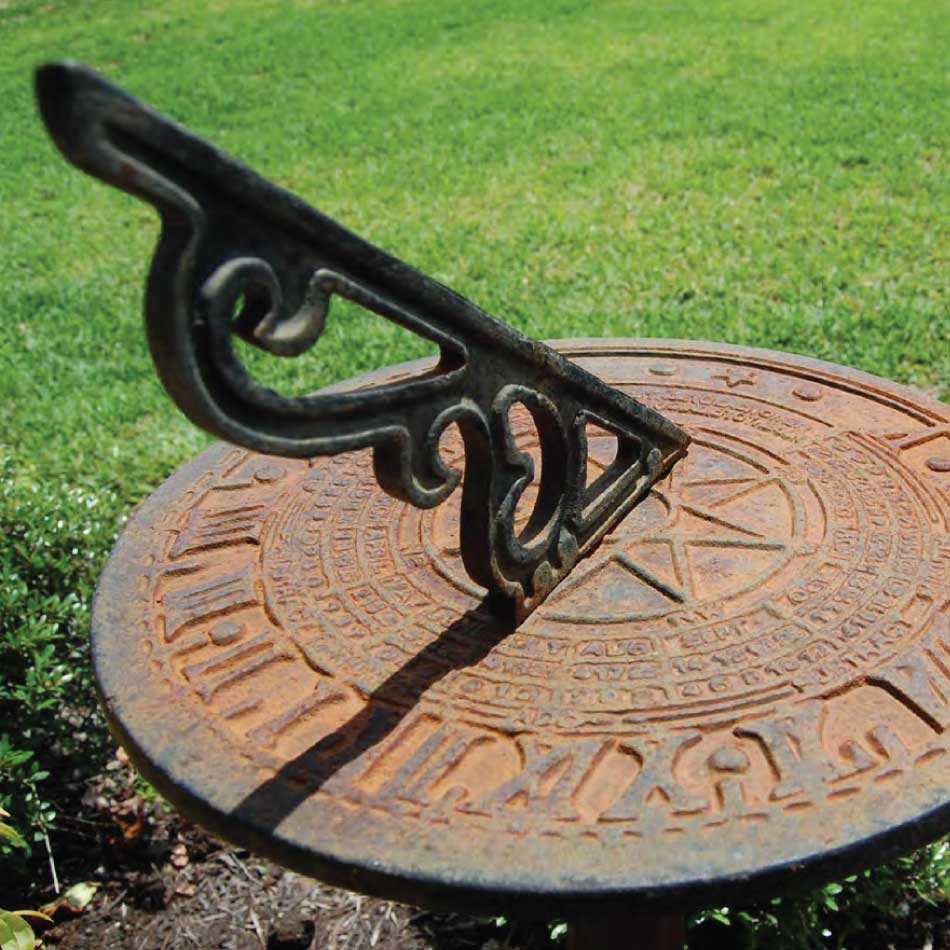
(743,687)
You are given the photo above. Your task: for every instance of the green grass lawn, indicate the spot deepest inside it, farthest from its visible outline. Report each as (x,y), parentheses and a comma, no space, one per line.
(756,172)
(750,171)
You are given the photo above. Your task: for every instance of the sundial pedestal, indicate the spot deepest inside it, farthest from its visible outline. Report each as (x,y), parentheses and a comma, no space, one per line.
(744,687)
(628,932)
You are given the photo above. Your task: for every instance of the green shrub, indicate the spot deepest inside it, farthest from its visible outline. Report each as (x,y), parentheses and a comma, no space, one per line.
(55,539)
(838,915)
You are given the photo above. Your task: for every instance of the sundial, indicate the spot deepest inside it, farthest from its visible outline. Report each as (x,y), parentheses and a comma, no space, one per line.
(679,636)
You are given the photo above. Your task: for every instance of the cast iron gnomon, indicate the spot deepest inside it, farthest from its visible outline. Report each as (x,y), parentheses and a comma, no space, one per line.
(239,255)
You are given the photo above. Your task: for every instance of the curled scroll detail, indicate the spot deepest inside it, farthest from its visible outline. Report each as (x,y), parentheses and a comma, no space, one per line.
(230,237)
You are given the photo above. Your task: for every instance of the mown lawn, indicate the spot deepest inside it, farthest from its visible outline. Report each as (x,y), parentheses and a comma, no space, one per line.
(751,171)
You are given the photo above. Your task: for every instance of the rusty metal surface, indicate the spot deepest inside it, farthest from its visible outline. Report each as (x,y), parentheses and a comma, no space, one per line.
(744,687)
(240,256)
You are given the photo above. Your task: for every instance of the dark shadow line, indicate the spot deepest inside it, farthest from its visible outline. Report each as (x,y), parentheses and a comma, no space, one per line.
(467,641)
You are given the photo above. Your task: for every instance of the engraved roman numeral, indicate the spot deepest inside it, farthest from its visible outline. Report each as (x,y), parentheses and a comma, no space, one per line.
(657,760)
(326,693)
(794,749)
(549,779)
(921,677)
(232,665)
(435,758)
(209,597)
(220,527)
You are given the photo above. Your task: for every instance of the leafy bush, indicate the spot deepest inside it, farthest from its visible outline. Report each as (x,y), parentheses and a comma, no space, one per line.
(55,539)
(15,930)
(837,915)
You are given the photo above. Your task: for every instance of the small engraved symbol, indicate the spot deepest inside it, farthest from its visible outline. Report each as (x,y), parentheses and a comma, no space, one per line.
(729,759)
(227,631)
(808,391)
(270,472)
(939,463)
(738,377)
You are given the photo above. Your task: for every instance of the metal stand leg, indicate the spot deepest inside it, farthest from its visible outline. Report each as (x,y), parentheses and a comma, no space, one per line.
(628,932)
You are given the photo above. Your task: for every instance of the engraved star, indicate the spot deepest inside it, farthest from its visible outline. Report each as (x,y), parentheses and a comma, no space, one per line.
(704,514)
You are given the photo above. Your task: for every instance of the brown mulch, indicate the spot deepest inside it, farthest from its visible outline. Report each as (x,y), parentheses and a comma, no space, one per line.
(163,884)
(233,901)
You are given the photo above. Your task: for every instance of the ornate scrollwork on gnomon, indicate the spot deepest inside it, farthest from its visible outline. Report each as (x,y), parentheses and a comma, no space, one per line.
(239,255)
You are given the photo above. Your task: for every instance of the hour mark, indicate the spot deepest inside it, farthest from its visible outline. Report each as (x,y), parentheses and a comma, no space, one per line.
(230,666)
(808,392)
(208,598)
(220,527)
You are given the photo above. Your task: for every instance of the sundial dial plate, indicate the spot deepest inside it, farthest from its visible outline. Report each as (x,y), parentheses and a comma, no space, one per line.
(747,682)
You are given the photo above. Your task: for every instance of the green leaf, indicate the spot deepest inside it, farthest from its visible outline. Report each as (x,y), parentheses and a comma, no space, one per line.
(11,834)
(80,895)
(15,932)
